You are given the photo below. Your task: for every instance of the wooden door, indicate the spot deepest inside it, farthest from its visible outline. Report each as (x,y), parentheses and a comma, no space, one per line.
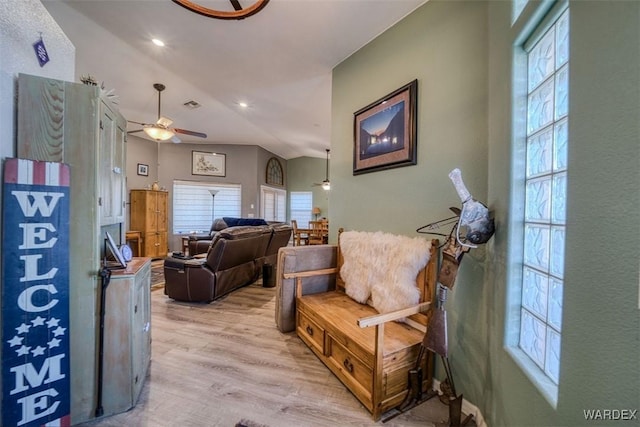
(162,204)
(119,166)
(111,169)
(105,142)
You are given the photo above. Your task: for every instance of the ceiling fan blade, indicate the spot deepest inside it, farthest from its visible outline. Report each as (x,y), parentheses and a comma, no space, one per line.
(138,123)
(134,131)
(190,132)
(236,4)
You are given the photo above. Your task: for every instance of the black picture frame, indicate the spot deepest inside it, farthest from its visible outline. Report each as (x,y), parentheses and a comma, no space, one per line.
(385,131)
(143,169)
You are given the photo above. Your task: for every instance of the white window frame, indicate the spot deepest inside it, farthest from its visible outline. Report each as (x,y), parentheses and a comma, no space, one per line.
(273,203)
(199,204)
(300,207)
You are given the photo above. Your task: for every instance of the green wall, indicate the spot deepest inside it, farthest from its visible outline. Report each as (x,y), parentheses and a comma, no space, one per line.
(303,173)
(462,54)
(445,46)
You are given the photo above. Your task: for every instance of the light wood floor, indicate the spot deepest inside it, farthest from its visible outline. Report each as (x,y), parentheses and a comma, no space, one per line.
(216,364)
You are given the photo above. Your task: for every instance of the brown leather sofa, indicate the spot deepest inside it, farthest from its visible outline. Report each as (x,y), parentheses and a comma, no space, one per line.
(234,259)
(279,238)
(199,243)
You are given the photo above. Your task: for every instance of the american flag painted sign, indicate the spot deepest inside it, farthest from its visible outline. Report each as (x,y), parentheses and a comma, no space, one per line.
(35,294)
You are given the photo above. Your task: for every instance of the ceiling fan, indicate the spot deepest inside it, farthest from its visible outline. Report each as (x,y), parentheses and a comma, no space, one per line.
(326,184)
(161,130)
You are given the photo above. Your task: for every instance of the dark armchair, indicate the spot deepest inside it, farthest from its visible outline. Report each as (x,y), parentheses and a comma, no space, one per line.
(199,243)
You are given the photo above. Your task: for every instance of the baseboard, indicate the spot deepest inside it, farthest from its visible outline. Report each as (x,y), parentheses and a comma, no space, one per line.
(467,407)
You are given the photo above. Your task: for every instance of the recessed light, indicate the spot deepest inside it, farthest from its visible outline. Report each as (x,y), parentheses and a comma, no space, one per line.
(243,104)
(158,42)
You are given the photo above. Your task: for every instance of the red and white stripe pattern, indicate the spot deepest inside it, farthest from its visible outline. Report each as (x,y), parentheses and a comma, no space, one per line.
(60,422)
(35,172)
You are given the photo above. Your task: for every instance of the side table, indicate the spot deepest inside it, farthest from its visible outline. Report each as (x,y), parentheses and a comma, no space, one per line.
(185,245)
(135,236)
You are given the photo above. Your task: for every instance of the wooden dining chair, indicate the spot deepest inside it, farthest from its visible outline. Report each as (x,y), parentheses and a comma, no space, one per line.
(299,237)
(318,232)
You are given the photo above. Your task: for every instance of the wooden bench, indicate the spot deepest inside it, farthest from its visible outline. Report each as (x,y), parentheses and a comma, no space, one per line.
(369,352)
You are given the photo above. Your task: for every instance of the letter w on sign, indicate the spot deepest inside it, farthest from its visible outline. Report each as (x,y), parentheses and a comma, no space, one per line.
(35,294)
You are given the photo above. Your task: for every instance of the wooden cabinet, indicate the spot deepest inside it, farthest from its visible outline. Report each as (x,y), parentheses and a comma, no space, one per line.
(149,216)
(79,125)
(113,134)
(127,335)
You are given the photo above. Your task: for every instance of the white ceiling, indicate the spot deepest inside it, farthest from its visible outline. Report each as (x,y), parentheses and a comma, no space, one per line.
(279,61)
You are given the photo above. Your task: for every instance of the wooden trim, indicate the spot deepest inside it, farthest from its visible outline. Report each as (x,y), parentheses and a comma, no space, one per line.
(220,14)
(309,273)
(378,379)
(299,275)
(379,319)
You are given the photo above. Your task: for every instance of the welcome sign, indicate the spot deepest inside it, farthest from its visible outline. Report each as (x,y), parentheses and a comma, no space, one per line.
(35,294)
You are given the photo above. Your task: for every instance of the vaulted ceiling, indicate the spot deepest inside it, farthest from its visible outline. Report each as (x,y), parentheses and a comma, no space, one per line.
(277,61)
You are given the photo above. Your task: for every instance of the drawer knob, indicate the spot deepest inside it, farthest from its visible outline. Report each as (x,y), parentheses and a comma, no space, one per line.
(348,365)
(309,330)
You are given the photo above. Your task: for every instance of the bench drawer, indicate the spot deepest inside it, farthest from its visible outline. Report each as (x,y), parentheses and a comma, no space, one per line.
(310,332)
(351,370)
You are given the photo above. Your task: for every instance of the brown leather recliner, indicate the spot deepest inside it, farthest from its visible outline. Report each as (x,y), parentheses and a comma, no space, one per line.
(233,261)
(199,243)
(279,238)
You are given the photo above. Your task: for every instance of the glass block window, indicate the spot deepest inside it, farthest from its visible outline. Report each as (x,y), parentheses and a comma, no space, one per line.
(545,197)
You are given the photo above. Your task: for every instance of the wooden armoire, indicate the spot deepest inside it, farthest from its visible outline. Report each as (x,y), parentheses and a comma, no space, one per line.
(149,217)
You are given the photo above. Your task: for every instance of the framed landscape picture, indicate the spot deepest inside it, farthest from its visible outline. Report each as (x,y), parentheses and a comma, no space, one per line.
(211,164)
(384,132)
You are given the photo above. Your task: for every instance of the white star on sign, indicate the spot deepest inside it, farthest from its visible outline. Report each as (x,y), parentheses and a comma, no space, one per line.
(55,342)
(16,340)
(59,331)
(38,351)
(53,322)
(23,329)
(38,321)
(23,350)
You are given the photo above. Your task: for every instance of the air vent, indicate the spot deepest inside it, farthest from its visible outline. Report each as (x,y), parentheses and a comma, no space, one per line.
(191,104)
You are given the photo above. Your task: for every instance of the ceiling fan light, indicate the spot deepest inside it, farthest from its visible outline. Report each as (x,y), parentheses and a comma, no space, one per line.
(158,133)
(326,184)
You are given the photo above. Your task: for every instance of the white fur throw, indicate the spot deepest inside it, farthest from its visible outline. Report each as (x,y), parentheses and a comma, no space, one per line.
(383,267)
